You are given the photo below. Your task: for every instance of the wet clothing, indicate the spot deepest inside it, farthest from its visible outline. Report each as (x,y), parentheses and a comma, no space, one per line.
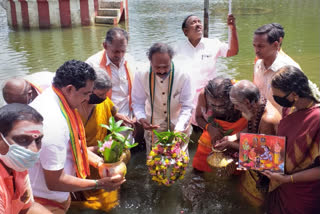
(205,146)
(302,130)
(15,191)
(97,199)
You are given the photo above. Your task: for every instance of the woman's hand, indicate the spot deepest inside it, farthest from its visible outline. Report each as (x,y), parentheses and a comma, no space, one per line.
(277,177)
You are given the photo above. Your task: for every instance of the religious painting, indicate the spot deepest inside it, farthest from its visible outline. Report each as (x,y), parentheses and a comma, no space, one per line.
(262,152)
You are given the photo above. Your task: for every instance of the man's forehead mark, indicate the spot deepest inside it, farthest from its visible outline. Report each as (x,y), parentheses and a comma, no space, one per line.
(33,132)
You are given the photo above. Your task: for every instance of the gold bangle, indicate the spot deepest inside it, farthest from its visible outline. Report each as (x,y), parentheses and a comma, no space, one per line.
(291,178)
(206,127)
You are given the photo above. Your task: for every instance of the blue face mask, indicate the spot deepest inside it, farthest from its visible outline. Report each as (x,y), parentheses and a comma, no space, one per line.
(19,158)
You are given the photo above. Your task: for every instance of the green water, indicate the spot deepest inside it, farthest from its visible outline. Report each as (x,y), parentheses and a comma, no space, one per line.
(23,52)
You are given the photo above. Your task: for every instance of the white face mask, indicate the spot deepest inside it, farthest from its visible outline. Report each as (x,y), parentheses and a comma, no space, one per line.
(19,158)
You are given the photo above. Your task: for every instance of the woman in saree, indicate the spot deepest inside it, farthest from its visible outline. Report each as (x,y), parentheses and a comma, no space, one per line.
(217,117)
(298,191)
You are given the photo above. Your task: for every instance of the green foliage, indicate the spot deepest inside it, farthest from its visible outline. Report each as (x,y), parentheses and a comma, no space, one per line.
(169,137)
(114,143)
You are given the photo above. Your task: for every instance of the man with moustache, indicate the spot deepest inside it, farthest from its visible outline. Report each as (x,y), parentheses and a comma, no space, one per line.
(162,97)
(64,158)
(266,42)
(200,54)
(112,60)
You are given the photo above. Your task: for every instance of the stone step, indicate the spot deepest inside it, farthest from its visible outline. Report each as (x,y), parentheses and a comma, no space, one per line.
(110,4)
(109,12)
(106,20)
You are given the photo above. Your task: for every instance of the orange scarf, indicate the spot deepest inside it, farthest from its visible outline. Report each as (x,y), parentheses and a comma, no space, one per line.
(38,89)
(76,131)
(204,146)
(103,64)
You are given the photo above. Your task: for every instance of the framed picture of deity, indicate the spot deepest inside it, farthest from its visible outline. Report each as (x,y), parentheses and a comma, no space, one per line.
(262,152)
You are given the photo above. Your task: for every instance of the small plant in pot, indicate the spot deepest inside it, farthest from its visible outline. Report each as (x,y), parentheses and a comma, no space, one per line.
(114,149)
(166,161)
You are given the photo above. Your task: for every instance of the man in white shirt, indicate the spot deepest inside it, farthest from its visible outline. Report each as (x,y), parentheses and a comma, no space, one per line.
(25,89)
(200,54)
(64,161)
(266,43)
(112,59)
(162,97)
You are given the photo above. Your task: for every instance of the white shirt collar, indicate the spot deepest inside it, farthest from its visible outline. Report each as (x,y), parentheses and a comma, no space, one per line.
(198,45)
(109,62)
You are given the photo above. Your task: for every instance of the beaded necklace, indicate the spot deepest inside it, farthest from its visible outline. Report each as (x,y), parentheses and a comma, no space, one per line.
(253,127)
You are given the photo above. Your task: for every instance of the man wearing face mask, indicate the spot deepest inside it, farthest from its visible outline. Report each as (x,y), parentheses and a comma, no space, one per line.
(162,97)
(25,90)
(94,112)
(20,142)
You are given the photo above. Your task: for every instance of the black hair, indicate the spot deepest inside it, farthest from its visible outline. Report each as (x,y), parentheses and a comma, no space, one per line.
(218,88)
(160,48)
(184,23)
(12,113)
(113,32)
(75,73)
(292,79)
(279,28)
(272,32)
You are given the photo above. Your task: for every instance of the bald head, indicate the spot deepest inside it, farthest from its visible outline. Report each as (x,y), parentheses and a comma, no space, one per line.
(16,90)
(245,89)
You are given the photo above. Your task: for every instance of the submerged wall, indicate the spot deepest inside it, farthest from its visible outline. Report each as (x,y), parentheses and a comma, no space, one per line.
(50,13)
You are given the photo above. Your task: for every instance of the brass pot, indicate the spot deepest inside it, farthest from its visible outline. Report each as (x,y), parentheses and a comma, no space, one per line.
(224,163)
(126,156)
(111,169)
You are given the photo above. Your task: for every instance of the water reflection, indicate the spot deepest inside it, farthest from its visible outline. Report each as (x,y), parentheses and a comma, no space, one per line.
(24,52)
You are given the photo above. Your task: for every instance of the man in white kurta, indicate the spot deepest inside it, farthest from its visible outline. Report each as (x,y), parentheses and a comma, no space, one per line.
(198,55)
(181,100)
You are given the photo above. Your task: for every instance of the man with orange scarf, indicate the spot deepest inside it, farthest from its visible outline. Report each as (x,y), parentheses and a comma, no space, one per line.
(25,90)
(64,162)
(112,59)
(214,104)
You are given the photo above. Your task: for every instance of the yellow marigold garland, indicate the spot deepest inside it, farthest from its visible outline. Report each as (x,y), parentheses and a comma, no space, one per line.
(167,163)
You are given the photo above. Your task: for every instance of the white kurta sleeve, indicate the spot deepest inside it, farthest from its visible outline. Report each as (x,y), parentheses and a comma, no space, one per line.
(138,97)
(186,101)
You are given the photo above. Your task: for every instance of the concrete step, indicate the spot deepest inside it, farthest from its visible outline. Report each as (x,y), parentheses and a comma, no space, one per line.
(109,12)
(110,4)
(106,20)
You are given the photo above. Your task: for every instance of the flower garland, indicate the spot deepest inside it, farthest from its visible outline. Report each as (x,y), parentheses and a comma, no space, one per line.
(167,163)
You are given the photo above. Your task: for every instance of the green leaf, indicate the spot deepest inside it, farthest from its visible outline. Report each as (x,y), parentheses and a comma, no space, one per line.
(118,124)
(105,126)
(228,132)
(128,145)
(123,128)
